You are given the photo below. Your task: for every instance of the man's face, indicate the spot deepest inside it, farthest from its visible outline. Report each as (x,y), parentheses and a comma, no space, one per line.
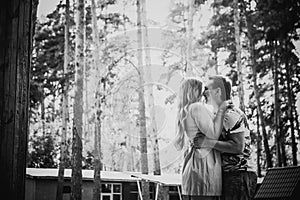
(211,93)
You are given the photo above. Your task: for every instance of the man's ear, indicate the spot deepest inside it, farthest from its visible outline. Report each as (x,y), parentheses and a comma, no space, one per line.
(219,91)
(221,95)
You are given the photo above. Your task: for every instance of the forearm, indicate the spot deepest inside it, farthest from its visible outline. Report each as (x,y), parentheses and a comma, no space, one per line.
(227,146)
(218,122)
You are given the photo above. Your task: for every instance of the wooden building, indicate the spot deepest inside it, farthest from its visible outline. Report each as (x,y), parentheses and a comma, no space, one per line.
(41,184)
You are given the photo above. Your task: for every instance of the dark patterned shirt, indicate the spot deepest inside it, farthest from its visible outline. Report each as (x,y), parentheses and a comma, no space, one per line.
(235,122)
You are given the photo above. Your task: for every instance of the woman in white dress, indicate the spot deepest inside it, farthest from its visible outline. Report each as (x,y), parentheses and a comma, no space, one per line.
(201,172)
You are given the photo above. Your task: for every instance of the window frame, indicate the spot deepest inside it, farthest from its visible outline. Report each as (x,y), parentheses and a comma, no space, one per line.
(112,193)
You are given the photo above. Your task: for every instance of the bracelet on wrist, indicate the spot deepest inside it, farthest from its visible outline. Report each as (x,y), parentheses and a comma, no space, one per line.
(221,110)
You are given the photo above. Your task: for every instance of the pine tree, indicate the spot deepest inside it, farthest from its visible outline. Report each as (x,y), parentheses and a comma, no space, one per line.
(236,17)
(97,137)
(142,109)
(257,94)
(189,37)
(65,114)
(76,180)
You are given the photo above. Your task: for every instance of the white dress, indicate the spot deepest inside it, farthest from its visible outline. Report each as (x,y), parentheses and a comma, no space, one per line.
(201,172)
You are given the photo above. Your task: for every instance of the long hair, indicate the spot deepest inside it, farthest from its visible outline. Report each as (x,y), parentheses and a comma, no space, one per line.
(190,91)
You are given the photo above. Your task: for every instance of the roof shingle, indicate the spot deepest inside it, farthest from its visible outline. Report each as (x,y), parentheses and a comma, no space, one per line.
(279,183)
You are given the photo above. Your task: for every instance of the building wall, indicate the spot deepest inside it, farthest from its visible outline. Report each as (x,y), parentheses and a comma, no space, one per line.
(87,190)
(45,189)
(30,189)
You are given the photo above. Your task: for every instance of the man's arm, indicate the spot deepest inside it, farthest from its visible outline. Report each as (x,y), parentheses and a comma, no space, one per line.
(234,144)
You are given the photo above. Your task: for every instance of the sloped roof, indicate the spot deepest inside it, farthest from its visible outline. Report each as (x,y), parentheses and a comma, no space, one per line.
(279,183)
(51,173)
(165,179)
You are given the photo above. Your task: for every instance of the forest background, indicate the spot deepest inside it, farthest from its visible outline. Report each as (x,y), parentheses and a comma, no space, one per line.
(105,77)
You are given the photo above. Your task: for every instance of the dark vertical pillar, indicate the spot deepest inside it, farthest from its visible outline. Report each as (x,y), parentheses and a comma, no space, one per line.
(15,57)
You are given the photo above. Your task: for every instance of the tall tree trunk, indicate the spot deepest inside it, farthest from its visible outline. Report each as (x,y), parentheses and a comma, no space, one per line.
(142,114)
(265,138)
(276,108)
(216,11)
(131,136)
(53,111)
(151,105)
(85,77)
(189,38)
(282,147)
(65,112)
(78,101)
(130,139)
(97,134)
(259,148)
(238,53)
(296,118)
(290,107)
(43,114)
(16,24)
(153,131)
(257,96)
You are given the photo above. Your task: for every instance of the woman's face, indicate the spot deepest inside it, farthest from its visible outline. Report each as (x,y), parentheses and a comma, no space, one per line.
(209,93)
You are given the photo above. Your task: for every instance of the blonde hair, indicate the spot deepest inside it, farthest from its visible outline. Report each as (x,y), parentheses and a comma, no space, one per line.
(190,91)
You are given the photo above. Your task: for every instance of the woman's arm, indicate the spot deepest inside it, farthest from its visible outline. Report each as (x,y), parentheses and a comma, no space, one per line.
(218,120)
(235,141)
(210,127)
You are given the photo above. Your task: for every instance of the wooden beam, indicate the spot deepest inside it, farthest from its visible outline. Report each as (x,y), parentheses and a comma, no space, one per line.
(179,193)
(15,57)
(139,188)
(156,193)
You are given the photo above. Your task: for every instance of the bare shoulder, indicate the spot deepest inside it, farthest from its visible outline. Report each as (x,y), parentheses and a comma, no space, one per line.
(197,109)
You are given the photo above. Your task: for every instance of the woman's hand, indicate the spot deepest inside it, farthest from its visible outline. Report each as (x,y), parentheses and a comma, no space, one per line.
(225,105)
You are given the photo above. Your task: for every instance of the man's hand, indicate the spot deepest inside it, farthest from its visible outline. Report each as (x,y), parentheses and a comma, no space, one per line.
(201,141)
(234,144)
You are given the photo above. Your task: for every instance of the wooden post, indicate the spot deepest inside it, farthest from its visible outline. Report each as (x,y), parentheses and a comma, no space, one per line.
(157,190)
(15,56)
(139,188)
(179,193)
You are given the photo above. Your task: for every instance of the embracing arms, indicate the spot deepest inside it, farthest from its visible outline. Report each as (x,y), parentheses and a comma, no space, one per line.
(234,122)
(235,143)
(211,128)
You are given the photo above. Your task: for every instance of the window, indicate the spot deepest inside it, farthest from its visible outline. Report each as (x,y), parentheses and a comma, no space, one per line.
(134,193)
(67,189)
(67,192)
(106,188)
(111,191)
(173,192)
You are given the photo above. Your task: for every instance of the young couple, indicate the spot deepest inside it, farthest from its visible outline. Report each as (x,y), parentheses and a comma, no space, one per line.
(217,160)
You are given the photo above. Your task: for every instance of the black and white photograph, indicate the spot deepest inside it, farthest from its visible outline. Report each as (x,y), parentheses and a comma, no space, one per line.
(150,99)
